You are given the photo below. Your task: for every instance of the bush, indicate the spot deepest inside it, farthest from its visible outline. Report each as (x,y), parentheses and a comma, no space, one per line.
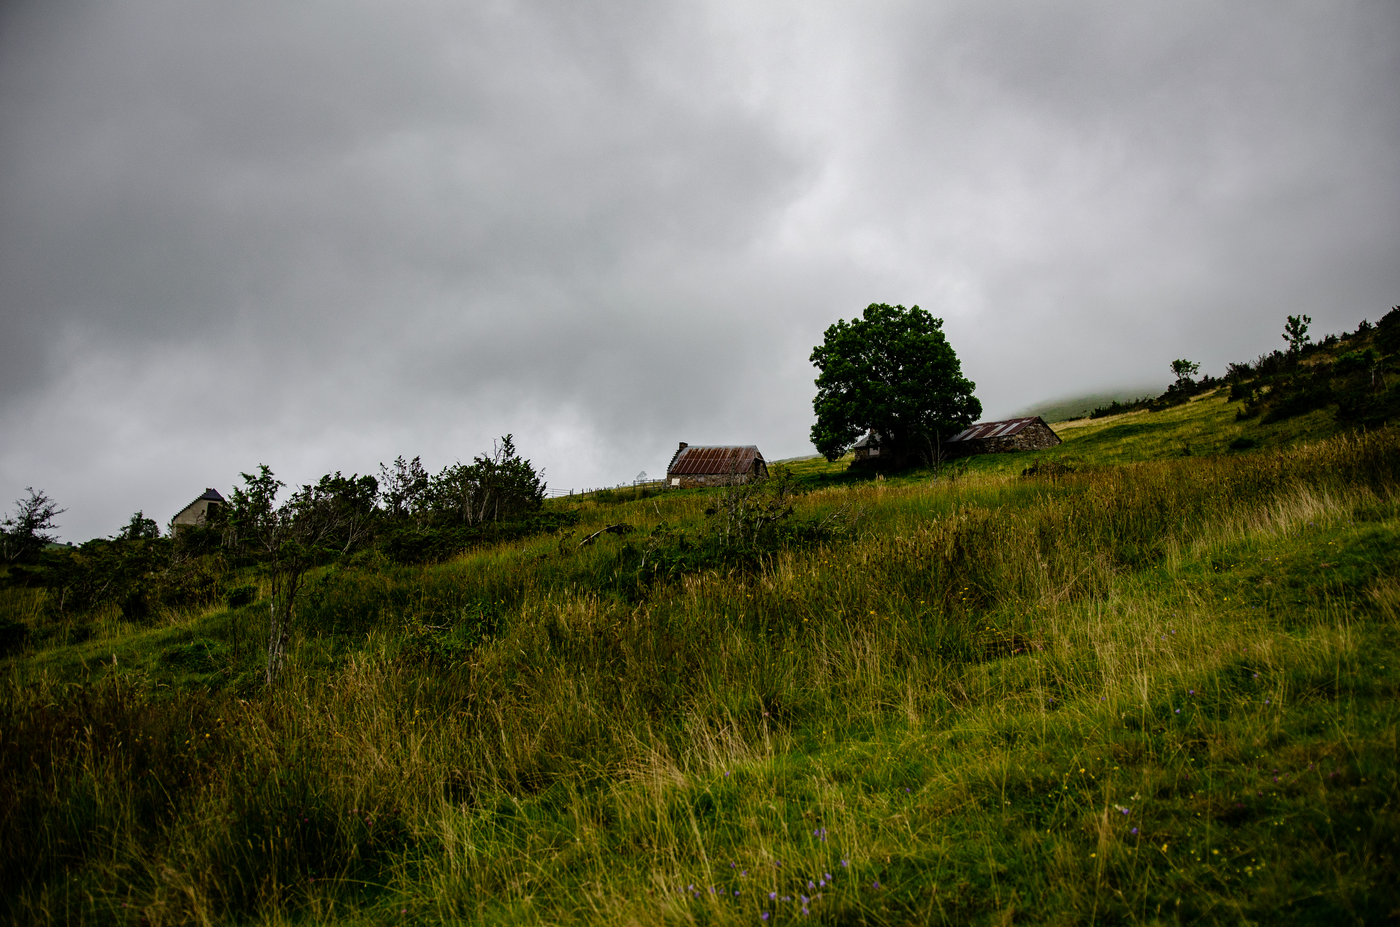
(1042,467)
(239,596)
(1301,400)
(1353,362)
(1388,332)
(13,636)
(1360,407)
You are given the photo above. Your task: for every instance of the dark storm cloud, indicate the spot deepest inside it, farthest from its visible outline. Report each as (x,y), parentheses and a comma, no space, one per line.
(321,235)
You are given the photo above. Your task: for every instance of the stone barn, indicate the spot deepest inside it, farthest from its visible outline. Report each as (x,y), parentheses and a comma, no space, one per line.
(715,465)
(1016,434)
(198,511)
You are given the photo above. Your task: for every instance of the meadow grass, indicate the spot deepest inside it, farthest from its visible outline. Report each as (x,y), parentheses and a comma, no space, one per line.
(1145,691)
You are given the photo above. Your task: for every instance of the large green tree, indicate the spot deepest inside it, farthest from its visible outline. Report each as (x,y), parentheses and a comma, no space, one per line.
(893,372)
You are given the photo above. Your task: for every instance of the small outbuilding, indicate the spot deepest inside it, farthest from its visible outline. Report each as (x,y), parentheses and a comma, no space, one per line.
(1016,434)
(715,465)
(199,511)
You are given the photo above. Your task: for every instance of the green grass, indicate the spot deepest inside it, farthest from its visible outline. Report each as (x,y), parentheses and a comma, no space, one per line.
(1158,689)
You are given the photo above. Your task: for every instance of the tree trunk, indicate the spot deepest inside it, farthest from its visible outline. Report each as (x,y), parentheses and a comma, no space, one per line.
(276,641)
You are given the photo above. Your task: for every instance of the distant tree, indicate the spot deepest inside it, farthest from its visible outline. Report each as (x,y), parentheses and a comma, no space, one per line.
(352,503)
(290,538)
(24,534)
(1295,332)
(1238,371)
(404,490)
(494,487)
(140,528)
(1388,332)
(1185,371)
(891,371)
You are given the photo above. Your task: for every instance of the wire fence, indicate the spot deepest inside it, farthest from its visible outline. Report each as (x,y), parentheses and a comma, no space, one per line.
(635,484)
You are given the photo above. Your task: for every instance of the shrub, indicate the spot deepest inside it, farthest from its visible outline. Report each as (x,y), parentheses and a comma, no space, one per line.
(1354,362)
(13,636)
(239,596)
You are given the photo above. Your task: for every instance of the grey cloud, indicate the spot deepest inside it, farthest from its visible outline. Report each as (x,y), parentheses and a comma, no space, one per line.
(322,235)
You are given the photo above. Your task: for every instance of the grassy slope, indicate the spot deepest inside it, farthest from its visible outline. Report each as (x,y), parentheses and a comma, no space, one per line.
(1157,691)
(1073,407)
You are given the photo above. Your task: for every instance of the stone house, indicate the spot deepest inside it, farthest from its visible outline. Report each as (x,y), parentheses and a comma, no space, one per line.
(1016,434)
(715,465)
(868,447)
(198,511)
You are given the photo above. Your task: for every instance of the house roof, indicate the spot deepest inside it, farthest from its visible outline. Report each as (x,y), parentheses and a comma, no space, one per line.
(212,495)
(694,460)
(870,439)
(1004,429)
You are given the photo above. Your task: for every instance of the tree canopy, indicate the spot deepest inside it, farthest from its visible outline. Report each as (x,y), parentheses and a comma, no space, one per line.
(24,534)
(892,372)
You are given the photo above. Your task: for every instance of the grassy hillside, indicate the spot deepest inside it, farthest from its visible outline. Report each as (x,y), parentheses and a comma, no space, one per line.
(1073,407)
(1157,686)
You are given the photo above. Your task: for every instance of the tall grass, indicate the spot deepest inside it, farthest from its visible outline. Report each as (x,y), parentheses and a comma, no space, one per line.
(1046,698)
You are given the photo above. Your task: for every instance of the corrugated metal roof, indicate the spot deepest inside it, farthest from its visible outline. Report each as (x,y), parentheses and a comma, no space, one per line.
(695,460)
(1004,429)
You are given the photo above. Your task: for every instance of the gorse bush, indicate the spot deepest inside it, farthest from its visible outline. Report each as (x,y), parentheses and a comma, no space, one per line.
(547,729)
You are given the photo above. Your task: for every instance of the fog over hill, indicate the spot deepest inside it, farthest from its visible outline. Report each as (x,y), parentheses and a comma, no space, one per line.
(321,237)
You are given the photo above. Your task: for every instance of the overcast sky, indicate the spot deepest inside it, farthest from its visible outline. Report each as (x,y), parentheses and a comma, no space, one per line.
(319,235)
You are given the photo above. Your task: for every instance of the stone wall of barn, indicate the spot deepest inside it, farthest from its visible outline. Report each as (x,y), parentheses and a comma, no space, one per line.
(693,480)
(1034,437)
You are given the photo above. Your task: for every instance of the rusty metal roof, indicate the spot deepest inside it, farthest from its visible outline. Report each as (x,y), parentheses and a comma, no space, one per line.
(1012,426)
(695,460)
